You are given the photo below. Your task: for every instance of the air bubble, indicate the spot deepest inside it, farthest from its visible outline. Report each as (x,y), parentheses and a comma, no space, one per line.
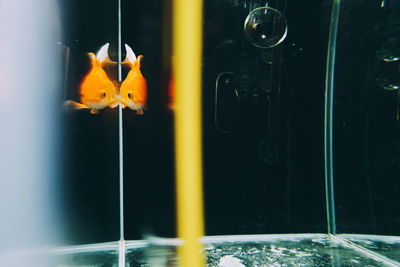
(265,27)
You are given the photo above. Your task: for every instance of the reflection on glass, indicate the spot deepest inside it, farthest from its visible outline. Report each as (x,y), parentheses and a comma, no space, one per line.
(392,86)
(388,246)
(390,51)
(389,78)
(133,89)
(265,27)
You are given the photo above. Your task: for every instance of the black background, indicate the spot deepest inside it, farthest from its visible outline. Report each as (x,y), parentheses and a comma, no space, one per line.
(366,127)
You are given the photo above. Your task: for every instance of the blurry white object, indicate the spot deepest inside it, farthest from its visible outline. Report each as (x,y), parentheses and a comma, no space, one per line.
(230,261)
(30,78)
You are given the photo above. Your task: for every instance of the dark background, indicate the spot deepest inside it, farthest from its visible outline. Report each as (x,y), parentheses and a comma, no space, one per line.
(264,172)
(366,124)
(89,190)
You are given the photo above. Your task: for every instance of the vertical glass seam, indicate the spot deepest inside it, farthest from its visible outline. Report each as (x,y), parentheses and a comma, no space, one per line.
(328,138)
(121,251)
(121,156)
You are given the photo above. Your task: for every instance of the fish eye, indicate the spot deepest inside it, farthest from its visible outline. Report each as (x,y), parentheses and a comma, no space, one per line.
(130,95)
(103,94)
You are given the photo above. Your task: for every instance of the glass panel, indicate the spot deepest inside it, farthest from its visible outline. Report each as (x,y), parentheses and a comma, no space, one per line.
(263,116)
(366,123)
(148,138)
(366,119)
(90,182)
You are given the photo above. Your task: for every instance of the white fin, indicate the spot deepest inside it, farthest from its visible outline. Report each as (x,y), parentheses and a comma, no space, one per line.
(103,53)
(130,56)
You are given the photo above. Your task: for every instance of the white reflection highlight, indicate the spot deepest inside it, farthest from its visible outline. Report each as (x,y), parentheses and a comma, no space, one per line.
(29,86)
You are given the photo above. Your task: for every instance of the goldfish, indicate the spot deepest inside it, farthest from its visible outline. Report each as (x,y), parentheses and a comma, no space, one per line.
(133,90)
(97,91)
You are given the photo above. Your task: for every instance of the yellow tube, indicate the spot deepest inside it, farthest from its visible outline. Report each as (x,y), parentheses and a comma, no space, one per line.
(187,51)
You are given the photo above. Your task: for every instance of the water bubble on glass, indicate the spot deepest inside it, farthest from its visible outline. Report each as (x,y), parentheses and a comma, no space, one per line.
(391,86)
(390,52)
(390,79)
(265,27)
(386,56)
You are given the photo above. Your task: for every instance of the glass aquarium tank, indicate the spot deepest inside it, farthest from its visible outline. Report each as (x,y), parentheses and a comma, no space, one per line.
(262,132)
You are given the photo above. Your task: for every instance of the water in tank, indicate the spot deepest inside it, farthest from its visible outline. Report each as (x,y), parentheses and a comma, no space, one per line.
(300,114)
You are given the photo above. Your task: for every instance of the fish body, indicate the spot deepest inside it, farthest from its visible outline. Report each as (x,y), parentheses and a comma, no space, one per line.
(133,90)
(96,91)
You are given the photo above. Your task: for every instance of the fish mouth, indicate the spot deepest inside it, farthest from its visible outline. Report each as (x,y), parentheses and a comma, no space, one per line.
(122,101)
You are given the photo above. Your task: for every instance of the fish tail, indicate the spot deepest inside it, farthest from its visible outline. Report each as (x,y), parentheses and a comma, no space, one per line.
(72,105)
(130,58)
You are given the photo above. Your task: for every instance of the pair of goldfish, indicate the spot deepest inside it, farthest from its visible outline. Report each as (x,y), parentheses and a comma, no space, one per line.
(97,91)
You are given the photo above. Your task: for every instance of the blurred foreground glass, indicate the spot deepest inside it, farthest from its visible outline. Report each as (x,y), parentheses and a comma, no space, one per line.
(30,75)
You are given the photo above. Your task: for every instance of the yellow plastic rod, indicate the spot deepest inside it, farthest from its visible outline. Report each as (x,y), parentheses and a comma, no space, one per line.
(187,51)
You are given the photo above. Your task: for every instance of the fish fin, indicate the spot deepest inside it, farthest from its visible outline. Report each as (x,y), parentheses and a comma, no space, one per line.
(102,56)
(94,111)
(138,60)
(93,59)
(139,112)
(130,56)
(70,104)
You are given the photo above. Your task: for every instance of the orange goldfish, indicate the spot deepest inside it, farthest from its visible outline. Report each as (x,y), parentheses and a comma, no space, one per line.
(133,90)
(97,91)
